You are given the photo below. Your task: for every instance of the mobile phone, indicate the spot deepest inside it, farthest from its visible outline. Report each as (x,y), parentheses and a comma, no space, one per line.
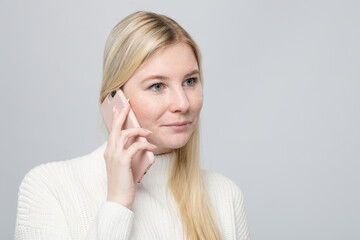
(143,159)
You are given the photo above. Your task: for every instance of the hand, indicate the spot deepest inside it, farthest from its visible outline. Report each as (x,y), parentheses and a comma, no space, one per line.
(121,187)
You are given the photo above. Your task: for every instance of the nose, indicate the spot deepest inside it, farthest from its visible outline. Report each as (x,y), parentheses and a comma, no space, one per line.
(179,101)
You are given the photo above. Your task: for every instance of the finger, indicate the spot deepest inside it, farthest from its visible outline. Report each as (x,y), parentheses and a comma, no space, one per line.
(125,158)
(137,146)
(118,120)
(111,141)
(125,135)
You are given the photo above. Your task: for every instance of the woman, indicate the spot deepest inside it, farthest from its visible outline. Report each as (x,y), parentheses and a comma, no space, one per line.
(157,65)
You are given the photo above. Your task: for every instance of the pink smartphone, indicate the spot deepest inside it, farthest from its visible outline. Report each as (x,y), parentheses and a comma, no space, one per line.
(143,159)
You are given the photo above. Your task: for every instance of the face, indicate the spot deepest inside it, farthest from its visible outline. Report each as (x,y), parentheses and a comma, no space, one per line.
(166,91)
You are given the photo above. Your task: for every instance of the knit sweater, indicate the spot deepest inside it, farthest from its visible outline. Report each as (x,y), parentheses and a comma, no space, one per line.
(67,200)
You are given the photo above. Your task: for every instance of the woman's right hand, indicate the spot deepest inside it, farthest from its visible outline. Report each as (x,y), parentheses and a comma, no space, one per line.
(121,186)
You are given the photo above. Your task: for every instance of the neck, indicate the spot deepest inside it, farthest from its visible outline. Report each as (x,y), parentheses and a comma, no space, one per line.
(158,174)
(162,151)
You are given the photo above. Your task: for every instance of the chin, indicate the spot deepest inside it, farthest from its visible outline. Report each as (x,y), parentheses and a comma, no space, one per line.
(175,141)
(164,139)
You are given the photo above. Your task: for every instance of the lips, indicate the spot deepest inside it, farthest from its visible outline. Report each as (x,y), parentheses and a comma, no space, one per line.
(178,123)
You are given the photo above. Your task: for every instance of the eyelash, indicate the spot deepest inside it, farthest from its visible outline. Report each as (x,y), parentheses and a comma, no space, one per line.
(195,80)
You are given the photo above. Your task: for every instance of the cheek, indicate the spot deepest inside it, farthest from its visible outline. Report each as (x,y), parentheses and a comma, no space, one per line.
(146,112)
(198,107)
(197,102)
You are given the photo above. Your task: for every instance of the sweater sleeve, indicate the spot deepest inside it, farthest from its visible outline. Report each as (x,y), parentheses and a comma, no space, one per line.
(113,221)
(40,214)
(242,231)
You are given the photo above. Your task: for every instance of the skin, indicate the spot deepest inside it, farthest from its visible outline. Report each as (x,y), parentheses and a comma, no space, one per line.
(176,96)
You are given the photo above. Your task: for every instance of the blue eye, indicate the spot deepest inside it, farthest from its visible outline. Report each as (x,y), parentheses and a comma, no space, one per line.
(193,80)
(159,86)
(156,84)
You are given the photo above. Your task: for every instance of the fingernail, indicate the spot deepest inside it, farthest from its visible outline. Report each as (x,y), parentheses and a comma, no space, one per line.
(114,108)
(148,131)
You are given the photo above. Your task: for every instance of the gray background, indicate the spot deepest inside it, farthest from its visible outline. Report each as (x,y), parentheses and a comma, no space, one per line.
(281,101)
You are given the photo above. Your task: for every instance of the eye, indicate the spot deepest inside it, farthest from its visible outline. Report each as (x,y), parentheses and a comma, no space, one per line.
(157,87)
(192,81)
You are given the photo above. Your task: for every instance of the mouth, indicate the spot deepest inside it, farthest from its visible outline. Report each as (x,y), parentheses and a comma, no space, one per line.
(178,123)
(178,126)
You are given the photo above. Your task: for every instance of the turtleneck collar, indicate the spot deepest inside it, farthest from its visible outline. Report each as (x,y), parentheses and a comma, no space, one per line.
(159,172)
(155,178)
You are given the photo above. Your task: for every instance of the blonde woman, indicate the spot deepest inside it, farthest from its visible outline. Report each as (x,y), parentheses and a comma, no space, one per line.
(158,66)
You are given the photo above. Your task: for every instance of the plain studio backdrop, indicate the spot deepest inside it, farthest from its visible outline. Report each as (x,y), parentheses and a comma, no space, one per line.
(281,106)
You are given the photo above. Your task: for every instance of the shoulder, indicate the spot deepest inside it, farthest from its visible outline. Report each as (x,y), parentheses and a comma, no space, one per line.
(215,179)
(52,169)
(42,174)
(221,186)
(54,175)
(44,177)
(40,194)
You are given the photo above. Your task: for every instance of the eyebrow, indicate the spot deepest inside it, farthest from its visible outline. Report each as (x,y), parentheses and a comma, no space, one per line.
(161,77)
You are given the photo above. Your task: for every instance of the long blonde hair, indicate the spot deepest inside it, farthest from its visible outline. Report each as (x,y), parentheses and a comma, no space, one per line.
(129,44)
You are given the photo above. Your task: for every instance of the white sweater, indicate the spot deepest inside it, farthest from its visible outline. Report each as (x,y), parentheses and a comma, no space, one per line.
(67,200)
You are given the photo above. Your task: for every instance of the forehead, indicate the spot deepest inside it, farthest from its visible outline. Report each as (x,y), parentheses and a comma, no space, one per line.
(175,60)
